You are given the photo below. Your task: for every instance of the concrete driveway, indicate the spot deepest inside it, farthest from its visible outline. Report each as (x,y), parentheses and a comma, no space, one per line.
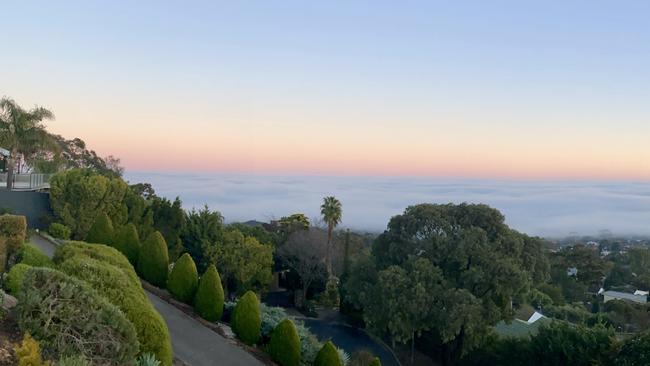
(192,343)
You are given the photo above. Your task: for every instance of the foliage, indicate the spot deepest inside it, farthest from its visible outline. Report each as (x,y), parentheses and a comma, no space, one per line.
(73,361)
(78,196)
(246,318)
(288,225)
(635,351)
(183,279)
(362,358)
(15,277)
(101,232)
(284,346)
(169,220)
(202,229)
(258,232)
(328,356)
(13,229)
(34,256)
(70,318)
(110,273)
(375,362)
(139,210)
(59,231)
(332,213)
(127,242)
(242,261)
(330,297)
(29,353)
(74,154)
(153,260)
(147,359)
(23,133)
(208,302)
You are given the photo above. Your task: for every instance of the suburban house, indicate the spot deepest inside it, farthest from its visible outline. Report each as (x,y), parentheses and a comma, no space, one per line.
(572,271)
(522,328)
(615,295)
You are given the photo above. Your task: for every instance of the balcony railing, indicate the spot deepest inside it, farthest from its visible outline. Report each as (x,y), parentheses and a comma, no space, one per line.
(27,182)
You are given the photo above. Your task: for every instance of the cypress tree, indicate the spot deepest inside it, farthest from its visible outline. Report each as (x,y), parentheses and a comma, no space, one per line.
(128,242)
(102,230)
(247,319)
(183,279)
(328,356)
(284,346)
(153,261)
(208,302)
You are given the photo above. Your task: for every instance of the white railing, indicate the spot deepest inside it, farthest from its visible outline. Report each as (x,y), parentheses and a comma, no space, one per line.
(27,181)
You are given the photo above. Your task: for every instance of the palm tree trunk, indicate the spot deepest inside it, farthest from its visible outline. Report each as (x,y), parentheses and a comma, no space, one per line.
(328,256)
(11,165)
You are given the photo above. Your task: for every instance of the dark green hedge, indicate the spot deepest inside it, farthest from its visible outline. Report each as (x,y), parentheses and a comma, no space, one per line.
(284,346)
(15,277)
(127,242)
(328,356)
(246,318)
(34,256)
(102,231)
(110,273)
(153,261)
(183,279)
(68,317)
(59,231)
(208,302)
(13,229)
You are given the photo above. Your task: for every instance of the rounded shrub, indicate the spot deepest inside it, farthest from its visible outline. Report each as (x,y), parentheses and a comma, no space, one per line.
(13,229)
(153,261)
(328,356)
(208,302)
(126,240)
(246,319)
(284,346)
(375,362)
(109,272)
(34,256)
(102,230)
(15,277)
(59,231)
(183,279)
(68,317)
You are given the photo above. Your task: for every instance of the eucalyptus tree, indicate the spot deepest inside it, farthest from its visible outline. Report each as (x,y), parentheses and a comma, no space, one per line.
(23,133)
(332,212)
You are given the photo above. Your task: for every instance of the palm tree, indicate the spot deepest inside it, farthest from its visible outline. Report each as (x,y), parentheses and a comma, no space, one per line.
(332,212)
(22,132)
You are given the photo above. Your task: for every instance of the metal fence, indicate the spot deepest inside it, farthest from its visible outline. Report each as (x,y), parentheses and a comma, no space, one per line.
(27,181)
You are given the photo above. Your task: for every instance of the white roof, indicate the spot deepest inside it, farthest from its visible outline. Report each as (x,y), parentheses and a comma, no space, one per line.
(626,296)
(4,152)
(535,317)
(642,293)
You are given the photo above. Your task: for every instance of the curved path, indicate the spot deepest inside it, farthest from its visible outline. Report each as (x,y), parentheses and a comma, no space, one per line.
(192,343)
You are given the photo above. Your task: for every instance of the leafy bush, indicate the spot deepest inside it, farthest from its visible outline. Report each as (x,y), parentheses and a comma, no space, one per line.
(102,231)
(13,229)
(15,277)
(29,353)
(34,256)
(635,351)
(375,362)
(127,242)
(330,297)
(77,196)
(153,260)
(73,361)
(246,318)
(117,282)
(208,302)
(70,318)
(362,358)
(59,231)
(284,346)
(328,356)
(183,279)
(147,359)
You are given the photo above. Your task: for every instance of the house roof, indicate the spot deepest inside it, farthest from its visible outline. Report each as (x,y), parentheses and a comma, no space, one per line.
(626,296)
(520,328)
(4,152)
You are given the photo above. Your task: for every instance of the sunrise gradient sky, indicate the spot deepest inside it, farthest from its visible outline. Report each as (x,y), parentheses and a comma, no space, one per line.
(482,89)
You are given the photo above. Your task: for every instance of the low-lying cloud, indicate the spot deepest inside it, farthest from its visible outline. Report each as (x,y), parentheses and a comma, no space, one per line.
(544,208)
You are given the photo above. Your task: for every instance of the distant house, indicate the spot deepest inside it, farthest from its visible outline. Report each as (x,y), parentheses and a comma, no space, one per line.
(522,328)
(642,293)
(615,295)
(572,271)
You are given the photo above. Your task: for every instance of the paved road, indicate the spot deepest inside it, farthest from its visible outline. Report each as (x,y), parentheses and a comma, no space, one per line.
(192,343)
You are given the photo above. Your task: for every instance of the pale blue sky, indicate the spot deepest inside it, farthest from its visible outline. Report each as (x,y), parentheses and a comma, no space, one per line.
(520,81)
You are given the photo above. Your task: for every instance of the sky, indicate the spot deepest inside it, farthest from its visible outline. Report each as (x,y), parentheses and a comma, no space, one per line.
(515,90)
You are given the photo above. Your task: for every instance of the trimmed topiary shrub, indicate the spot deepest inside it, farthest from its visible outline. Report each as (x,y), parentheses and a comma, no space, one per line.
(208,302)
(127,242)
(284,346)
(15,277)
(183,279)
(72,361)
(102,231)
(70,318)
(246,318)
(328,356)
(13,229)
(59,231)
(153,261)
(375,362)
(109,272)
(34,256)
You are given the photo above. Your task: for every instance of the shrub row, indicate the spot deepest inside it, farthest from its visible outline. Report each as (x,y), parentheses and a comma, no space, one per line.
(110,273)
(13,229)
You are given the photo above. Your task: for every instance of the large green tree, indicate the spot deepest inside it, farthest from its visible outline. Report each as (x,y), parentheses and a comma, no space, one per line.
(332,213)
(202,228)
(23,133)
(169,219)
